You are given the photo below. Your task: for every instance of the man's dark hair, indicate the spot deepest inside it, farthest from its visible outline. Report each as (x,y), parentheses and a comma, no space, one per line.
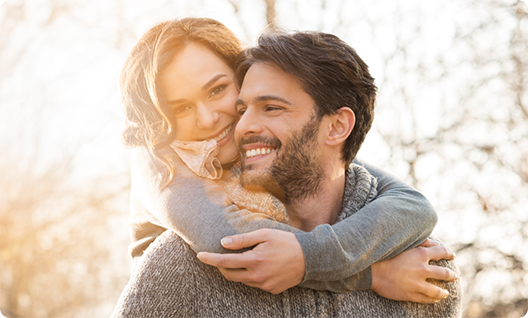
(328,69)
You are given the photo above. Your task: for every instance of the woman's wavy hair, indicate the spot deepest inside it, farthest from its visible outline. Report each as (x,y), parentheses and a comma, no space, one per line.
(148,121)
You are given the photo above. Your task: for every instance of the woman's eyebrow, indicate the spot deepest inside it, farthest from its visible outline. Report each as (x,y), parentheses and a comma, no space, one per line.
(212,81)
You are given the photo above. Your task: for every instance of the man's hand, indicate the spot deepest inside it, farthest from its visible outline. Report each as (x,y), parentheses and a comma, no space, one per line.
(403,277)
(275,264)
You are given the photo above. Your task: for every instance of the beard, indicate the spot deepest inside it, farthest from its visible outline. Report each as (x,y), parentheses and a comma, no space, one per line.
(295,173)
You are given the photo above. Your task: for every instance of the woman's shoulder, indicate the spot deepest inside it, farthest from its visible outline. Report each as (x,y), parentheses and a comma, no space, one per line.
(143,157)
(145,164)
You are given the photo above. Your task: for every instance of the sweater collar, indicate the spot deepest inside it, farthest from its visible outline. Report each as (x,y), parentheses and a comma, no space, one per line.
(360,189)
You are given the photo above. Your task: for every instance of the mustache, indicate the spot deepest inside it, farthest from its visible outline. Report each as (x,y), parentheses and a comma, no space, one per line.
(269,141)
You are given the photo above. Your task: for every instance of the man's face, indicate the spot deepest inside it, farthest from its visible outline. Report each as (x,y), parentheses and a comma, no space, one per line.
(278,133)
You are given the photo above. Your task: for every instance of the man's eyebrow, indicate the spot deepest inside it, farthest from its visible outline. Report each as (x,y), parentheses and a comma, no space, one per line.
(212,81)
(264,98)
(239,102)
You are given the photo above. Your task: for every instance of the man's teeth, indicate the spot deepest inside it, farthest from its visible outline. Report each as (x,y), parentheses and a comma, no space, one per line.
(256,152)
(224,133)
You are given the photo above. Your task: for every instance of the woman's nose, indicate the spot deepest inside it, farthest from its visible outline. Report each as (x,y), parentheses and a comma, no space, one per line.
(206,117)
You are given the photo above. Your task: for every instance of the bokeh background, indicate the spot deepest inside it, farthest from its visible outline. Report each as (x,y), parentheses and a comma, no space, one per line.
(451,119)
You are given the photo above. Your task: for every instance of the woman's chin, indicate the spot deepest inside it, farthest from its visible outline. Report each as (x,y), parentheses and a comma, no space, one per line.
(226,158)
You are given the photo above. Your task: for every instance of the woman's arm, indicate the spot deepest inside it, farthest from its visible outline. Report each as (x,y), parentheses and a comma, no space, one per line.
(338,257)
(197,209)
(398,218)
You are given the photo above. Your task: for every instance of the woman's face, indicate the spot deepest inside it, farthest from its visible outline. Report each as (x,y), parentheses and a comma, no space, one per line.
(200,90)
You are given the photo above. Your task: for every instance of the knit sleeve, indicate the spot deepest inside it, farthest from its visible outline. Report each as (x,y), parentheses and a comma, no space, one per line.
(197,209)
(338,257)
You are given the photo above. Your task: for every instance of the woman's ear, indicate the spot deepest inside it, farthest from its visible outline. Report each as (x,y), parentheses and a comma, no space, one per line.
(341,125)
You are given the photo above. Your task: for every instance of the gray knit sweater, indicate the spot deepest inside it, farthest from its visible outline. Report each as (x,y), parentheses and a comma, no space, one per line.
(197,210)
(170,281)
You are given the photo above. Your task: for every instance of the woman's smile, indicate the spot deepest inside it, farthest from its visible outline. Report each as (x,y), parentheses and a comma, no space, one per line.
(219,138)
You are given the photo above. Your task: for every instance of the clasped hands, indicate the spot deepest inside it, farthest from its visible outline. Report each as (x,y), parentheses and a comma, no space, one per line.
(276,263)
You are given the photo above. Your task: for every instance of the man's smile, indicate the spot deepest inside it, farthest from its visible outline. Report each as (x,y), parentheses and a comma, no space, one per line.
(250,153)
(255,148)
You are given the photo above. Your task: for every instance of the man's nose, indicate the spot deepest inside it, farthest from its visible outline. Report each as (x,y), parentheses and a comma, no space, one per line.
(248,123)
(206,116)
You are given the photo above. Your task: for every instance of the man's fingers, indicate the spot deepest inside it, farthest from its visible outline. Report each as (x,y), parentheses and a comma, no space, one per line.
(240,241)
(437,253)
(442,273)
(230,261)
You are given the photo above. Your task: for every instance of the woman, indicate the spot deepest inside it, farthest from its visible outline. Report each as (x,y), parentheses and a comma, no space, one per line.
(179,95)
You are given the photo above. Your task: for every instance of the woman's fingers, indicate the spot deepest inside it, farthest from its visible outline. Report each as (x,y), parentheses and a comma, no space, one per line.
(275,264)
(428,243)
(228,261)
(434,292)
(424,299)
(442,273)
(236,242)
(437,253)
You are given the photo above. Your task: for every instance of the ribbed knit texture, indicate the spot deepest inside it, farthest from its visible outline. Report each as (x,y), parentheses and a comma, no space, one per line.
(169,281)
(337,257)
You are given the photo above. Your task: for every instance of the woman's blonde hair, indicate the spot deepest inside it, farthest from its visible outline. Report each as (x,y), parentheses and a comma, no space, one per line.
(148,121)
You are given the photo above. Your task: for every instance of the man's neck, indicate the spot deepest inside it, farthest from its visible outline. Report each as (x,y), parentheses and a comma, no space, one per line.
(322,208)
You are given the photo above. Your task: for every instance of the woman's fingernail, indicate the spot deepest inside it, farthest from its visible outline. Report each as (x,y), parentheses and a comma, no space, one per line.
(226,242)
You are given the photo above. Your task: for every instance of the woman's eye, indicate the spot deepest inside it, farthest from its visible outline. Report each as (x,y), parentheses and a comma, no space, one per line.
(217,90)
(181,109)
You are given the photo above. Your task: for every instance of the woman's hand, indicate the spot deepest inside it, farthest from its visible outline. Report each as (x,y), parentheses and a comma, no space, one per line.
(275,264)
(403,277)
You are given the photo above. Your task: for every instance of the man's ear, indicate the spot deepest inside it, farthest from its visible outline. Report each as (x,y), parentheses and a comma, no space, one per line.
(341,125)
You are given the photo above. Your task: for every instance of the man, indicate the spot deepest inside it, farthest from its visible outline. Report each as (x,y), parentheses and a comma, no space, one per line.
(307,101)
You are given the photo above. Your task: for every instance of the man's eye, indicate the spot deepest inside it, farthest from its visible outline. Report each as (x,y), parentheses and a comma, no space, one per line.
(217,90)
(270,108)
(241,111)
